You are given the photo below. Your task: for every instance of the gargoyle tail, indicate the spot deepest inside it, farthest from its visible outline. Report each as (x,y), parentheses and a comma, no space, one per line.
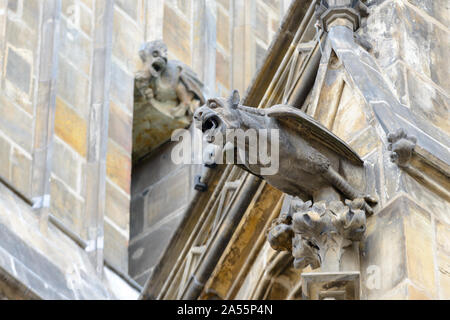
(340,184)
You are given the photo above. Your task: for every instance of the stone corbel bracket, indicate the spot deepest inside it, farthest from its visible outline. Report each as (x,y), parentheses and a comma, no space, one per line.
(401,146)
(317,234)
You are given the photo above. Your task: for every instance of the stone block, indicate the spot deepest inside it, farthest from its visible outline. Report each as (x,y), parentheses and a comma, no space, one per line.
(16,123)
(129,7)
(261,22)
(399,248)
(29,14)
(73,87)
(118,166)
(21,38)
(444,275)
(427,198)
(167,196)
(366,142)
(122,86)
(153,169)
(351,116)
(117,206)
(437,9)
(5,153)
(120,127)
(384,251)
(66,164)
(223,29)
(146,250)
(225,4)
(137,215)
(176,34)
(116,248)
(420,248)
(443,237)
(66,206)
(18,71)
(222,69)
(428,102)
(126,38)
(75,46)
(21,165)
(70,127)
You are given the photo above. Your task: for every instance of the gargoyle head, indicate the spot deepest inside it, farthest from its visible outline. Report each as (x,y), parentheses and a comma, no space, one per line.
(154,55)
(218,115)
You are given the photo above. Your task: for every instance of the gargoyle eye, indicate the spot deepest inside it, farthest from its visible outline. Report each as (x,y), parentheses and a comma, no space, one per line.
(213,105)
(155,53)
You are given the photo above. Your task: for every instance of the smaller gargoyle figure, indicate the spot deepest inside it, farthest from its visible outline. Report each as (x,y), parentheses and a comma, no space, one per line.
(168,85)
(401,146)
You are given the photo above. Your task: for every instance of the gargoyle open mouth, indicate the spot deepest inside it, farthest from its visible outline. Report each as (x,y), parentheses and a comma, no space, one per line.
(157,66)
(211,123)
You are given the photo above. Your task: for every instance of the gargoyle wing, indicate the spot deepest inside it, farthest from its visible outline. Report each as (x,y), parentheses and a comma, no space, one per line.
(318,131)
(190,80)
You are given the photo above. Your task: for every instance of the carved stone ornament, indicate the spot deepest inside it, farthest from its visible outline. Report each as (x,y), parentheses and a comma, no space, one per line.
(341,12)
(317,234)
(166,94)
(401,146)
(306,154)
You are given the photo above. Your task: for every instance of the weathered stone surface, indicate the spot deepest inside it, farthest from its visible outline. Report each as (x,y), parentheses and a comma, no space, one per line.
(66,206)
(223,23)
(117,206)
(70,127)
(147,249)
(167,196)
(73,87)
(16,123)
(21,171)
(75,46)
(120,123)
(48,266)
(118,166)
(116,247)
(5,153)
(176,33)
(18,71)
(67,164)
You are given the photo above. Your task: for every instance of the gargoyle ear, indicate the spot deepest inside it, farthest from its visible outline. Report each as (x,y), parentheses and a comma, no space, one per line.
(234,99)
(142,55)
(142,52)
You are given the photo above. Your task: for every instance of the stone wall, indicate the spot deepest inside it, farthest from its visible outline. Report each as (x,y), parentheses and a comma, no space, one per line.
(67,81)
(224,42)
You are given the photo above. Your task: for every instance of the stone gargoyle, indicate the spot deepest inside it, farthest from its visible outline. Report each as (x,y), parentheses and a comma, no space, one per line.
(170,86)
(309,154)
(166,94)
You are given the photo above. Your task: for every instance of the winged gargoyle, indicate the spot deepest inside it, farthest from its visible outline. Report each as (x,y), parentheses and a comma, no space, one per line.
(169,85)
(309,154)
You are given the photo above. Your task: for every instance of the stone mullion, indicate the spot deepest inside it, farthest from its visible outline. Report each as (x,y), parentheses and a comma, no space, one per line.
(44,106)
(3,17)
(204,43)
(98,130)
(154,20)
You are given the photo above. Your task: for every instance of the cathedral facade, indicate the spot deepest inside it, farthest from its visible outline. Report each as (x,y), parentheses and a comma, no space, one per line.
(94,206)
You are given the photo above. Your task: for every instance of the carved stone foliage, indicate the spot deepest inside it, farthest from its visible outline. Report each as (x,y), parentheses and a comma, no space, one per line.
(401,146)
(318,233)
(166,94)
